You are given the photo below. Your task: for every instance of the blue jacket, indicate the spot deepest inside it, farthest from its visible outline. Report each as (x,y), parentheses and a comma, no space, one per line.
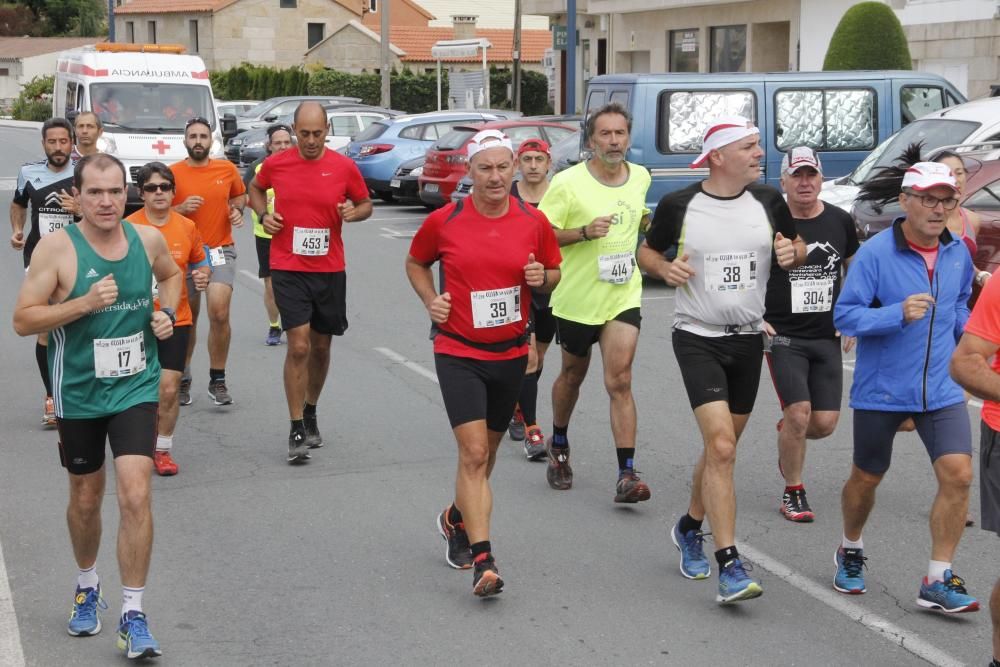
(903,367)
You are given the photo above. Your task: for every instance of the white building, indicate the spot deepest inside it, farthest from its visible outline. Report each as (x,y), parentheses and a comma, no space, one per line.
(24,58)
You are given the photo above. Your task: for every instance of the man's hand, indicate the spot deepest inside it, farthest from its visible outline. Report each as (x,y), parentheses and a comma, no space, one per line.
(679,271)
(68,202)
(848,342)
(103,293)
(346,210)
(599,227)
(162,327)
(440,308)
(534,272)
(769,330)
(784,250)
(916,305)
(200,277)
(235,217)
(17,240)
(190,205)
(272,223)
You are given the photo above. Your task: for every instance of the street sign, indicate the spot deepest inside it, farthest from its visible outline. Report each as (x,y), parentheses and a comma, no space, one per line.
(559,39)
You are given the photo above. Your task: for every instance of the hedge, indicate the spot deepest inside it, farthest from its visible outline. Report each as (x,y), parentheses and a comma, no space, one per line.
(253,82)
(869,36)
(35,100)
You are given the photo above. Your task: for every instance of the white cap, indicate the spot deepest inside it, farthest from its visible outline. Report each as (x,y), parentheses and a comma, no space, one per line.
(723,131)
(798,157)
(927,175)
(489,139)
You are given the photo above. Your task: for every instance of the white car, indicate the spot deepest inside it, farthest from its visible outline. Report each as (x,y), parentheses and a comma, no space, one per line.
(235,107)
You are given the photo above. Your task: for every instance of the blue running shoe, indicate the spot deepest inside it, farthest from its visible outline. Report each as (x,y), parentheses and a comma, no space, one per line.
(850,577)
(691,544)
(135,639)
(84,620)
(734,583)
(948,596)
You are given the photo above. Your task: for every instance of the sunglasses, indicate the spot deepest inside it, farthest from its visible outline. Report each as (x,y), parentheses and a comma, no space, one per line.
(197,120)
(162,187)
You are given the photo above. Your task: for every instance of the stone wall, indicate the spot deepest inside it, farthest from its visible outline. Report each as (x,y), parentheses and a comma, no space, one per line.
(972,44)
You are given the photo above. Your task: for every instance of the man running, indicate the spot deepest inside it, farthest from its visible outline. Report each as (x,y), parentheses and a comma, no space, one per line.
(40,185)
(728,231)
(88,128)
(156,186)
(211,193)
(90,285)
(316,191)
(597,208)
(805,359)
(279,137)
(492,250)
(906,299)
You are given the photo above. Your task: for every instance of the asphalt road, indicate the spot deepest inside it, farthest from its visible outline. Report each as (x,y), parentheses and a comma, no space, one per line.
(338,562)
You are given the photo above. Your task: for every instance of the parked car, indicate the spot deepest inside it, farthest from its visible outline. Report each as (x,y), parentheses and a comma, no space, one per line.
(446,159)
(270,110)
(404,185)
(235,107)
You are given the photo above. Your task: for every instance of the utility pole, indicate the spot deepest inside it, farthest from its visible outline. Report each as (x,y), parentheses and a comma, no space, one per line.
(383,6)
(111,21)
(516,77)
(569,76)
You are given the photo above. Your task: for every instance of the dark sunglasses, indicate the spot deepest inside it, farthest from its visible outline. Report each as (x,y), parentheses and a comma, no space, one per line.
(153,187)
(197,119)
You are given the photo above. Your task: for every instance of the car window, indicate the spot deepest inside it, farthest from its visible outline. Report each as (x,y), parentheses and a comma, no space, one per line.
(411,132)
(368,119)
(283,109)
(374,131)
(621,97)
(446,127)
(556,134)
(931,132)
(343,126)
(918,101)
(986,198)
(827,120)
(683,115)
(454,139)
(596,99)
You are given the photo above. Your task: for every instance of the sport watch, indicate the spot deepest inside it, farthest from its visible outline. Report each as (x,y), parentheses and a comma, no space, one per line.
(171,313)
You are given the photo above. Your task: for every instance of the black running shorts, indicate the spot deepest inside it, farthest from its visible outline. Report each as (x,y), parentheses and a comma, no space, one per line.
(263,256)
(807,369)
(81,441)
(473,389)
(173,350)
(989,478)
(943,431)
(577,338)
(543,324)
(723,368)
(316,299)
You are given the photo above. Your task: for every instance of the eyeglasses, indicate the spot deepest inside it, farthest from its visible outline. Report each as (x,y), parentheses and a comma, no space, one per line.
(930,201)
(197,120)
(162,187)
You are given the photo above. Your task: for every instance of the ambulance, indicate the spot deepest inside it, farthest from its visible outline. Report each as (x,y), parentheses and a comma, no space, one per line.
(144,94)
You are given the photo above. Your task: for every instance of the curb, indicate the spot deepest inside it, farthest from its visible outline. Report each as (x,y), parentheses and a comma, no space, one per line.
(20,124)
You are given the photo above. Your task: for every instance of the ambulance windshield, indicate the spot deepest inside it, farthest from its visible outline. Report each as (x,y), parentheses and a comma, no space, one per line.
(153,108)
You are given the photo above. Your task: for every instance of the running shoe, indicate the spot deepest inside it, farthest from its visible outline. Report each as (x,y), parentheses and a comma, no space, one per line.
(630,489)
(795,507)
(456,553)
(516,427)
(164,463)
(850,577)
(298,450)
(184,392)
(135,639)
(219,393)
(559,473)
(734,583)
(948,596)
(84,620)
(313,439)
(49,415)
(486,579)
(691,544)
(273,336)
(534,444)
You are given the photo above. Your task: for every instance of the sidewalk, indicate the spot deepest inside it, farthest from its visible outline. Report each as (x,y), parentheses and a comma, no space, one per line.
(20,124)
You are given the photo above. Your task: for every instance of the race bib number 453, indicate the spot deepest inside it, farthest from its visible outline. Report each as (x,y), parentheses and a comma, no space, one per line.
(119,357)
(311,241)
(496,307)
(731,271)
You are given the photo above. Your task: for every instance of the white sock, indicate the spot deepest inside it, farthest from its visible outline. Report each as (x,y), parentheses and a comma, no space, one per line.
(164,442)
(935,571)
(849,544)
(88,578)
(131,599)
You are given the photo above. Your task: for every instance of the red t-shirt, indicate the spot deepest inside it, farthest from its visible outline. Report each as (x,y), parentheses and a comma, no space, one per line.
(482,267)
(985,323)
(930,256)
(306,194)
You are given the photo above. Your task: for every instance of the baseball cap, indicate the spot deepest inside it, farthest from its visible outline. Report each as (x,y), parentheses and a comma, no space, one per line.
(722,131)
(926,175)
(800,156)
(489,139)
(539,145)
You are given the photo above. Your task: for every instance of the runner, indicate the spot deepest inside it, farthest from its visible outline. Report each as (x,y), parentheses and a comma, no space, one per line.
(279,137)
(316,191)
(156,186)
(728,231)
(906,299)
(597,208)
(533,161)
(40,184)
(90,285)
(88,128)
(492,249)
(211,193)
(805,358)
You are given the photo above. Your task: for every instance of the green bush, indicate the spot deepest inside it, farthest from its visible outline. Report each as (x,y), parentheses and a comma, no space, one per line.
(253,82)
(869,36)
(35,100)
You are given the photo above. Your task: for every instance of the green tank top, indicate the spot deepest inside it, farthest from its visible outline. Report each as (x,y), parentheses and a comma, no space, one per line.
(106,362)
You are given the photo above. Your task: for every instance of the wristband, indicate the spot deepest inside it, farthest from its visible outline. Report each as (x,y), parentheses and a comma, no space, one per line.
(583,233)
(169,312)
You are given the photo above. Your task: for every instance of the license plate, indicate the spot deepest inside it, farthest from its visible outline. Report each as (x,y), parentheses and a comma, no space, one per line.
(431,187)
(394,183)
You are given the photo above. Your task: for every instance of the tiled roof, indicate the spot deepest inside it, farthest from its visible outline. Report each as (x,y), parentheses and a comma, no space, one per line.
(417,43)
(177,6)
(25,47)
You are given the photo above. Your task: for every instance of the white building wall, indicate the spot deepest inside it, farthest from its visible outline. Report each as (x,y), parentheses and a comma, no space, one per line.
(817,21)
(42,65)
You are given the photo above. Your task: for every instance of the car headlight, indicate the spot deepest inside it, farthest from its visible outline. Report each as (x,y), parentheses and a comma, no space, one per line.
(416,172)
(254,144)
(106,144)
(235,142)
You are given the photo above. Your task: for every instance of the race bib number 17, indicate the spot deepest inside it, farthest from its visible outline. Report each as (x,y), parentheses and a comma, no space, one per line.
(119,357)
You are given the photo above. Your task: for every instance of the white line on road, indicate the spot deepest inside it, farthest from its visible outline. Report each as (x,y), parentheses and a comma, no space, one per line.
(8,183)
(657,298)
(412,365)
(252,276)
(11,652)
(408,219)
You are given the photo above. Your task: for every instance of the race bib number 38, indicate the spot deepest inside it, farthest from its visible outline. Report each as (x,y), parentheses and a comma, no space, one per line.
(311,241)
(731,271)
(812,295)
(497,307)
(119,357)
(616,268)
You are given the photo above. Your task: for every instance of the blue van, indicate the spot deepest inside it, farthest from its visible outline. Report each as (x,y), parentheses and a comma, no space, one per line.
(843,115)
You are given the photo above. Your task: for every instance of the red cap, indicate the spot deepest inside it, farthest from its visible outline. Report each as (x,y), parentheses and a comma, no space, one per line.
(539,145)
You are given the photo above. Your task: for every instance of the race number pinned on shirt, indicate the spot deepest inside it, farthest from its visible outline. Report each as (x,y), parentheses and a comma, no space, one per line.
(497,307)
(119,357)
(312,241)
(731,271)
(156,288)
(812,295)
(52,222)
(217,256)
(617,268)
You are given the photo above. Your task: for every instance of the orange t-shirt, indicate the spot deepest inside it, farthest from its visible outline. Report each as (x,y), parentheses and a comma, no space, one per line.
(186,248)
(985,323)
(217,182)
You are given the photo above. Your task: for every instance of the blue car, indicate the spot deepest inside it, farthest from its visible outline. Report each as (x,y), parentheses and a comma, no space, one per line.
(387,143)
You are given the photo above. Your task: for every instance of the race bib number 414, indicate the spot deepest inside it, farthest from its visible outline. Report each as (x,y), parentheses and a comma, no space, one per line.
(731,271)
(496,307)
(616,269)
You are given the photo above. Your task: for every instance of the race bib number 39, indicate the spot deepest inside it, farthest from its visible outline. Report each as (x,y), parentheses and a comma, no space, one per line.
(812,295)
(311,241)
(731,271)
(495,308)
(52,222)
(119,357)
(616,268)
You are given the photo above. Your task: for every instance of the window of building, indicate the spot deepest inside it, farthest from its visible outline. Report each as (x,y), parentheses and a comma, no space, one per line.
(4,71)
(372,6)
(151,32)
(288,4)
(683,50)
(729,48)
(827,120)
(683,115)
(316,32)
(193,35)
(130,32)
(917,101)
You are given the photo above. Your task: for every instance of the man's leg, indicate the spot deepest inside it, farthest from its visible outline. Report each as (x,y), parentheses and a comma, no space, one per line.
(269,305)
(566,388)
(194,300)
(947,522)
(219,333)
(83,516)
(135,531)
(618,341)
(318,365)
(476,456)
(857,499)
(712,490)
(297,357)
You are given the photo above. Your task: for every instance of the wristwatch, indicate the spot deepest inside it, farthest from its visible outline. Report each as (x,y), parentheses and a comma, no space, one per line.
(169,312)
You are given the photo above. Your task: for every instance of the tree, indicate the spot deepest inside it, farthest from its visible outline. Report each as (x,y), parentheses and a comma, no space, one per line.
(869,36)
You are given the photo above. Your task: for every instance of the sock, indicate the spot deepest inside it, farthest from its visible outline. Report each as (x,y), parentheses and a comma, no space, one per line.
(275,325)
(687,524)
(935,570)
(723,556)
(215,374)
(298,426)
(88,578)
(131,599)
(797,487)
(848,544)
(559,438)
(42,358)
(164,442)
(528,399)
(626,458)
(480,551)
(309,410)
(454,516)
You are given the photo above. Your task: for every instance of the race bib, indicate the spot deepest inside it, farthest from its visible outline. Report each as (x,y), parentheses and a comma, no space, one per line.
(217,256)
(497,307)
(731,271)
(312,241)
(616,268)
(156,288)
(52,222)
(812,295)
(119,357)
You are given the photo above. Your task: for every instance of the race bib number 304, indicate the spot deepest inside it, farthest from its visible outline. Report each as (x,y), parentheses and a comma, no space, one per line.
(812,295)
(495,308)
(616,268)
(731,271)
(311,241)
(119,357)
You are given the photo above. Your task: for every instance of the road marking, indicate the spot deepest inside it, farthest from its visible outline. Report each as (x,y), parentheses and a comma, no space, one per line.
(252,276)
(390,233)
(11,652)
(7,184)
(412,365)
(657,298)
(406,219)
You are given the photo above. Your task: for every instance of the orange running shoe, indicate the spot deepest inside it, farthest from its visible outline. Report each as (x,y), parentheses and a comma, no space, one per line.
(164,463)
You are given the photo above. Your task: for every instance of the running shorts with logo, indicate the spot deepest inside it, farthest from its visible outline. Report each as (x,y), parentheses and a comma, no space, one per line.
(316,299)
(82,441)
(577,339)
(943,431)
(39,187)
(723,368)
